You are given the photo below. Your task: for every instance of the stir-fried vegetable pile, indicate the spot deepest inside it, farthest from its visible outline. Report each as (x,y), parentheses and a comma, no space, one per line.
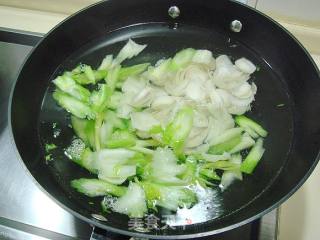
(152,133)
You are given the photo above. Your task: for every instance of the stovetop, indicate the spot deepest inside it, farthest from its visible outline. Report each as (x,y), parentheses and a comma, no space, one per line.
(28,213)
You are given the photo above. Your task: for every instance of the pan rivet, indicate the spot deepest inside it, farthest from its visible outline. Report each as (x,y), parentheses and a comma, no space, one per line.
(235,26)
(174,12)
(99,217)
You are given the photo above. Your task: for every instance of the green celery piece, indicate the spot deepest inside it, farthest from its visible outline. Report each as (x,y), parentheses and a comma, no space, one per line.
(222,165)
(87,70)
(225,146)
(132,203)
(144,150)
(227,135)
(141,161)
(86,160)
(97,130)
(140,158)
(48,157)
(246,142)
(77,69)
(151,190)
(182,58)
(147,169)
(113,77)
(72,105)
(81,78)
(130,50)
(213,157)
(104,207)
(105,132)
(187,199)
(106,62)
(189,175)
(96,187)
(84,129)
(178,130)
(253,158)
(112,118)
(132,70)
(129,125)
(228,177)
(50,147)
(83,74)
(248,123)
(205,183)
(110,123)
(251,132)
(119,85)
(107,159)
(66,84)
(115,100)
(170,197)
(120,173)
(210,173)
(121,139)
(165,167)
(100,74)
(156,129)
(99,99)
(193,172)
(148,143)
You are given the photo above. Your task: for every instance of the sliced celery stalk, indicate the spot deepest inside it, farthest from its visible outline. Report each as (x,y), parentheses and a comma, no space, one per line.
(178,130)
(245,143)
(225,146)
(253,158)
(96,187)
(248,123)
(132,70)
(228,177)
(133,202)
(227,135)
(99,99)
(113,77)
(72,105)
(222,165)
(121,138)
(106,62)
(130,50)
(210,173)
(169,197)
(100,74)
(84,129)
(69,86)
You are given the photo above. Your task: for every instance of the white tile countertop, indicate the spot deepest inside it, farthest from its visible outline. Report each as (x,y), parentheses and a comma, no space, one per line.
(299,215)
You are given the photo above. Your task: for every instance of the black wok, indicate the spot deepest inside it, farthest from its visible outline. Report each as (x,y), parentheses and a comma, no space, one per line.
(287,76)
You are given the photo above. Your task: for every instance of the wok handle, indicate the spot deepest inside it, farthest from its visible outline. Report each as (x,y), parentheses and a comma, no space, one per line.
(101,234)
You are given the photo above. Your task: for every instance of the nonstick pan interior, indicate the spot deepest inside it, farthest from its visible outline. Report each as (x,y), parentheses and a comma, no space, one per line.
(287,102)
(163,42)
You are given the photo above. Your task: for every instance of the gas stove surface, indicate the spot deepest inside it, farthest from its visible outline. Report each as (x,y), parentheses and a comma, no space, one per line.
(26,212)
